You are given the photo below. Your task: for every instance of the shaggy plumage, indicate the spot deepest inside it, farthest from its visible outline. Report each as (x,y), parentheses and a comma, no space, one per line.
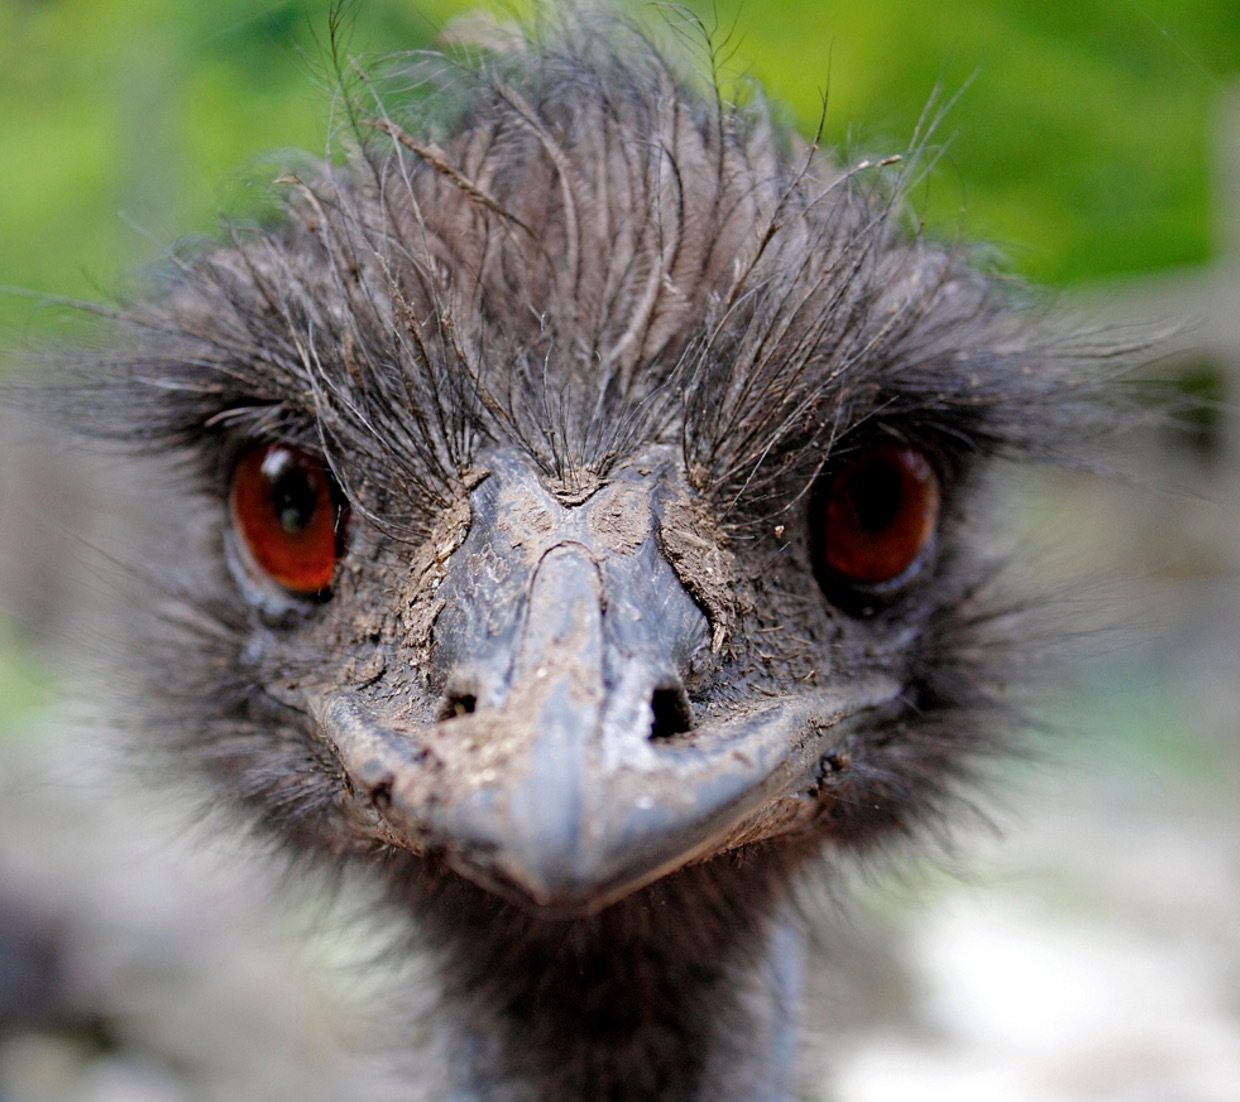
(555,284)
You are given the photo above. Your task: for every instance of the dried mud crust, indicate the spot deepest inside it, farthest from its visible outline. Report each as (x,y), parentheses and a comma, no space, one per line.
(428,569)
(689,539)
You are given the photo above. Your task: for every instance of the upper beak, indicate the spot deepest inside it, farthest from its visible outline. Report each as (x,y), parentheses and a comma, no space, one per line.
(568,769)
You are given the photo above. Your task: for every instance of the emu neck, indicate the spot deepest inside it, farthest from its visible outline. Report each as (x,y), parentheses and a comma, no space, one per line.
(687,991)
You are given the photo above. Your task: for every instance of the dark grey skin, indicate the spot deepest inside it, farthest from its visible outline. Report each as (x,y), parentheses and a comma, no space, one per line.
(580,345)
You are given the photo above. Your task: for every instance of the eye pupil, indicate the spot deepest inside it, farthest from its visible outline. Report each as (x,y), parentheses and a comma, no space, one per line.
(286,517)
(874,494)
(295,498)
(878,512)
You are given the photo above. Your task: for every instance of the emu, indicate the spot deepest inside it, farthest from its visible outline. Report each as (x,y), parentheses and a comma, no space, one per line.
(572,516)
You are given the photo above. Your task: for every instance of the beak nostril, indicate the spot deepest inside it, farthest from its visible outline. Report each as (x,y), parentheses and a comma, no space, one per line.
(671,713)
(456,705)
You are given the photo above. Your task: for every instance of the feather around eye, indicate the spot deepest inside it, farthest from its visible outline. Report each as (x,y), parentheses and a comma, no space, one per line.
(285,514)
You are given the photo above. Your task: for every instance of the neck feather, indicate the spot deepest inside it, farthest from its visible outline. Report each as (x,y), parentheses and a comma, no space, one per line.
(688,990)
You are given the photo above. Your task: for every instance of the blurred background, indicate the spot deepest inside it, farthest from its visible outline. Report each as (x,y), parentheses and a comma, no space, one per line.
(1091,952)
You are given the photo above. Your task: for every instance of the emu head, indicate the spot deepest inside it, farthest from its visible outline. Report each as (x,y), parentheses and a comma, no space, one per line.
(582,482)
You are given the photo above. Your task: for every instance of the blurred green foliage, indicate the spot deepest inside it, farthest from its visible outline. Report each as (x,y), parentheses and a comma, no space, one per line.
(26,689)
(1078,139)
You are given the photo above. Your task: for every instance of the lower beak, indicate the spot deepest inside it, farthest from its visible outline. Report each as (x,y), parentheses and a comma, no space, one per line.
(555,822)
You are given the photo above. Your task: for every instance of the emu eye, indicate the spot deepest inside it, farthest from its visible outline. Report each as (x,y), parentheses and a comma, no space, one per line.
(285,514)
(878,512)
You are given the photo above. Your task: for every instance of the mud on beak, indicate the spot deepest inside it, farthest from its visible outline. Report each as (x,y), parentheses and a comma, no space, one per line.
(565,767)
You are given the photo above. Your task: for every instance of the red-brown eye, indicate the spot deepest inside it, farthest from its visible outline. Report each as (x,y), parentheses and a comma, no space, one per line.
(285,515)
(879,512)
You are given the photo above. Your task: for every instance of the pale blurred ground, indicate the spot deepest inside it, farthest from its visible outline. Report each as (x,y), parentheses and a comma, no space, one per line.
(1091,953)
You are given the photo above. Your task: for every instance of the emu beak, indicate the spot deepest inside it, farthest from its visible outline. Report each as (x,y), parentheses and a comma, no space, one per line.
(566,770)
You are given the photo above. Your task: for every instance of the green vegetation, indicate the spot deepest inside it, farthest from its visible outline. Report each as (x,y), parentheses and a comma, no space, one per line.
(26,690)
(1078,141)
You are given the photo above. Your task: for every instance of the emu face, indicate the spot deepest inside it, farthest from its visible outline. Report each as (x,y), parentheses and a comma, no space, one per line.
(583,490)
